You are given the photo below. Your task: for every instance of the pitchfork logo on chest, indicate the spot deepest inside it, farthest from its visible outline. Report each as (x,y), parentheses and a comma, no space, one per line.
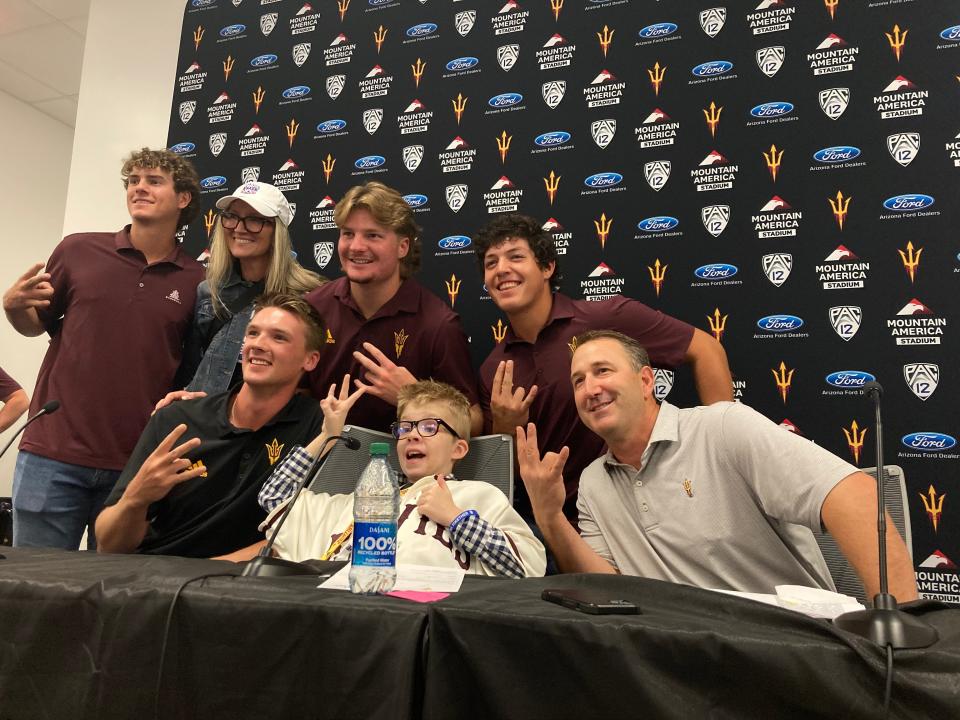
(399,340)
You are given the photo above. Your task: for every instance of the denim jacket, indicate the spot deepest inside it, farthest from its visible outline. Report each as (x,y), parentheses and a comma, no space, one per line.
(212,352)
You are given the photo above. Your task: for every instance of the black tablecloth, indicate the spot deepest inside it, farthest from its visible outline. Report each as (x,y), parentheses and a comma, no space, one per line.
(502,652)
(80,637)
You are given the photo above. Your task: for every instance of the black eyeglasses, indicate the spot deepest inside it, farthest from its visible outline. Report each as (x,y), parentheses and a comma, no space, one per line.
(428,427)
(252,223)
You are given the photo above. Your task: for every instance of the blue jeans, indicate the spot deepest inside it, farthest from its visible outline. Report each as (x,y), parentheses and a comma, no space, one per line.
(54,502)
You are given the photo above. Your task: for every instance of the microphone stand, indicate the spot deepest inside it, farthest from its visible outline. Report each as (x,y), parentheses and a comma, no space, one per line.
(50,407)
(264,564)
(885,624)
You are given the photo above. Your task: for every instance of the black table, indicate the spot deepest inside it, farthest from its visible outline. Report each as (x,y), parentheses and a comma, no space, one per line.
(80,637)
(691,654)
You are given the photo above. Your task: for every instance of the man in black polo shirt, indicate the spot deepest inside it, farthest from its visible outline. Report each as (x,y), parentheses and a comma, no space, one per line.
(199,497)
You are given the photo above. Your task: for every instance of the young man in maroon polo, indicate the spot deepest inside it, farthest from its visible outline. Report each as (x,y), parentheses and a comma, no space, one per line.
(384,328)
(116,306)
(526,378)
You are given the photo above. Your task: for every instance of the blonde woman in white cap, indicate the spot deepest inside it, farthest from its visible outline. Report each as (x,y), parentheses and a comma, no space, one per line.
(250,254)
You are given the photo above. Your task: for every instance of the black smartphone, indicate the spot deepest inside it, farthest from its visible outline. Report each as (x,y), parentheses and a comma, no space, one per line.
(593,602)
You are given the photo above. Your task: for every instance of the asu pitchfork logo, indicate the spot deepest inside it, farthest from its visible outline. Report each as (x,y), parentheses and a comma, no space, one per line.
(718,323)
(453,288)
(552,184)
(783,379)
(855,436)
(379,35)
(399,340)
(658,273)
(274,449)
(603,226)
(656,74)
(933,504)
(773,157)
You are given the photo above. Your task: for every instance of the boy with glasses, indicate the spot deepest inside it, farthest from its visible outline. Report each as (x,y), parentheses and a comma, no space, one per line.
(443,521)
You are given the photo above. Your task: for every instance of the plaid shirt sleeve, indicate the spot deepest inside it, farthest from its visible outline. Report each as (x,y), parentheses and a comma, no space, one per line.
(284,479)
(481,539)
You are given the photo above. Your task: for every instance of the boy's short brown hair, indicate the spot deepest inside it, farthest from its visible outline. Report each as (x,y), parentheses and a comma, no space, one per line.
(431,391)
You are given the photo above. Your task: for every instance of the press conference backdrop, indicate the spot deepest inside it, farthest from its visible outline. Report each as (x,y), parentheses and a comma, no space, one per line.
(781,174)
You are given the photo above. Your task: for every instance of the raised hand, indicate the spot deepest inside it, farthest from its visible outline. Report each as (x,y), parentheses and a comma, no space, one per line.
(383,377)
(163,469)
(31,290)
(336,405)
(509,406)
(543,477)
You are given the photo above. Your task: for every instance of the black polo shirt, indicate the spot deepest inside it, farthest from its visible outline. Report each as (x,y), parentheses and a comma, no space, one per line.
(217,512)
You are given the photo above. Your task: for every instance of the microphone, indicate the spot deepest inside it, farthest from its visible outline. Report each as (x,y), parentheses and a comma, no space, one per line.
(51,406)
(885,624)
(264,564)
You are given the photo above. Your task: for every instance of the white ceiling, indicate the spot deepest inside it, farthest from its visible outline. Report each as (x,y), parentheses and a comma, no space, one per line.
(41,53)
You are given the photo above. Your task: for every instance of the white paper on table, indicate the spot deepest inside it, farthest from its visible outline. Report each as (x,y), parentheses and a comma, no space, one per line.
(816,602)
(813,602)
(423,578)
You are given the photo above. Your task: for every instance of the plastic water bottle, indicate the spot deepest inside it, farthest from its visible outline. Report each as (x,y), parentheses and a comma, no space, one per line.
(376,505)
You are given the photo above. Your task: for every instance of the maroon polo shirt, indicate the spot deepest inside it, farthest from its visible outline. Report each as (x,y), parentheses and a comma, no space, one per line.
(116,328)
(414,329)
(546,364)
(8,386)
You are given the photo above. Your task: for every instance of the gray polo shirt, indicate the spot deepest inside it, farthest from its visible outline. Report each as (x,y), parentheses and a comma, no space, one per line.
(724,499)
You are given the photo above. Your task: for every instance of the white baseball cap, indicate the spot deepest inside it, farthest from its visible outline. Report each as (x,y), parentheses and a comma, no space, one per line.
(264,198)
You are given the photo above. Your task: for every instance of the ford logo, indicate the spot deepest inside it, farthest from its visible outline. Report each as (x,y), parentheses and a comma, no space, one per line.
(454,242)
(214,181)
(604,179)
(463,63)
(329,126)
(376,3)
(951,33)
(183,148)
(415,201)
(505,100)
(231,30)
(295,92)
(202,3)
(658,30)
(713,67)
(369,161)
(849,378)
(659,223)
(837,154)
(772,109)
(421,30)
(715,271)
(780,323)
(557,137)
(906,203)
(929,441)
(261,60)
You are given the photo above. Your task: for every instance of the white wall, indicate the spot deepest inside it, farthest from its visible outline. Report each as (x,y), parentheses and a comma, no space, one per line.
(33,189)
(129,67)
(48,190)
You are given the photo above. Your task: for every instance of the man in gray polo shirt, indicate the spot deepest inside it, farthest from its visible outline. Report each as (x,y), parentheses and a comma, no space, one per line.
(716,497)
